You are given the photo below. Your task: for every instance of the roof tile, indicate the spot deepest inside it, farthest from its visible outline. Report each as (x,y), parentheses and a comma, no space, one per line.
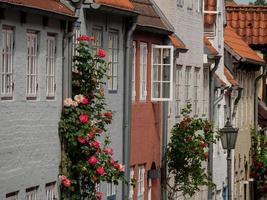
(54,6)
(209,46)
(239,46)
(249,21)
(177,42)
(122,4)
(229,76)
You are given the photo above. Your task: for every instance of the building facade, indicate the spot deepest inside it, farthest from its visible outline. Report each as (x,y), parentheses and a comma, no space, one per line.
(31,97)
(109,22)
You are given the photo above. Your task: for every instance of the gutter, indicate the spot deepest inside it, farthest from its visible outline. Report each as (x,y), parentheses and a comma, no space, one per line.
(211,115)
(256,97)
(127,106)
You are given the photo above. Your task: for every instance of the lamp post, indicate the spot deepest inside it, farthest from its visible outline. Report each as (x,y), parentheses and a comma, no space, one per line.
(228,138)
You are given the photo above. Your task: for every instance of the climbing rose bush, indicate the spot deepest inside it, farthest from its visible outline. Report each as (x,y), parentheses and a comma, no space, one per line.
(87,158)
(187,154)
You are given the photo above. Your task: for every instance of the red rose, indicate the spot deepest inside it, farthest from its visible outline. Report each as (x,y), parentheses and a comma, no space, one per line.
(111,161)
(203,145)
(66,183)
(95,144)
(100,170)
(189,138)
(108,114)
(85,38)
(81,139)
(101,53)
(99,195)
(108,151)
(92,160)
(85,101)
(84,118)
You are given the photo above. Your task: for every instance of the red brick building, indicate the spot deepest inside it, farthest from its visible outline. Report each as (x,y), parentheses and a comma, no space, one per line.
(149,90)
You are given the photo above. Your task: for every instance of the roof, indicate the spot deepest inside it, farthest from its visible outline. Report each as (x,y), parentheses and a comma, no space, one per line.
(210,19)
(248,21)
(177,42)
(54,6)
(121,4)
(209,49)
(229,76)
(148,16)
(239,46)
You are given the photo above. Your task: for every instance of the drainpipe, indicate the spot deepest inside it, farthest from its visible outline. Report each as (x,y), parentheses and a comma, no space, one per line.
(256,98)
(127,104)
(211,115)
(239,94)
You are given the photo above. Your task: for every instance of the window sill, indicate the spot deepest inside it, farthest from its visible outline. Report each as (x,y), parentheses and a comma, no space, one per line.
(50,98)
(112,91)
(6,98)
(31,98)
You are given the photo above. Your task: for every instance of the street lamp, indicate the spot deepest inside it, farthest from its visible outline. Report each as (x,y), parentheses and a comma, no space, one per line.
(228,137)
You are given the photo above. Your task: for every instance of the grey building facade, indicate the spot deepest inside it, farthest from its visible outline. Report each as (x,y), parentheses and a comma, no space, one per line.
(31,65)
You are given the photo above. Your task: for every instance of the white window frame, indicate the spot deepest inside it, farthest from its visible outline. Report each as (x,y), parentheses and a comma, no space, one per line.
(133,71)
(187,83)
(196,91)
(143,70)
(32,64)
(51,67)
(12,196)
(190,4)
(161,98)
(206,90)
(111,189)
(32,193)
(50,191)
(97,43)
(113,46)
(7,85)
(141,182)
(131,189)
(178,89)
(180,3)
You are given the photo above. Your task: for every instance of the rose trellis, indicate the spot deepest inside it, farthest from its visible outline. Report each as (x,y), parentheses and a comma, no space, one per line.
(87,158)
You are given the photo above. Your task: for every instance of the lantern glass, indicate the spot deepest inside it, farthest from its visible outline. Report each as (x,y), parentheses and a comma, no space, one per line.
(228,136)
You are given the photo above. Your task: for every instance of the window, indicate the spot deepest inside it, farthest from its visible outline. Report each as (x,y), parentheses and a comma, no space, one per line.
(190,4)
(178,90)
(133,72)
(199,5)
(162,73)
(180,3)
(141,182)
(32,46)
(50,67)
(113,46)
(98,42)
(75,42)
(187,83)
(50,191)
(12,196)
(31,193)
(143,71)
(206,91)
(131,192)
(111,191)
(7,63)
(196,91)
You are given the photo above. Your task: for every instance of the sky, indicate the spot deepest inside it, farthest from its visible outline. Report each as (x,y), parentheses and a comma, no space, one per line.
(243,1)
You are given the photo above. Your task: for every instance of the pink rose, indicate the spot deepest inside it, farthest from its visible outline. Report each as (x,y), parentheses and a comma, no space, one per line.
(85,38)
(96,144)
(81,139)
(108,114)
(99,195)
(108,151)
(90,136)
(119,167)
(66,183)
(100,170)
(85,101)
(92,160)
(111,161)
(101,53)
(84,118)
